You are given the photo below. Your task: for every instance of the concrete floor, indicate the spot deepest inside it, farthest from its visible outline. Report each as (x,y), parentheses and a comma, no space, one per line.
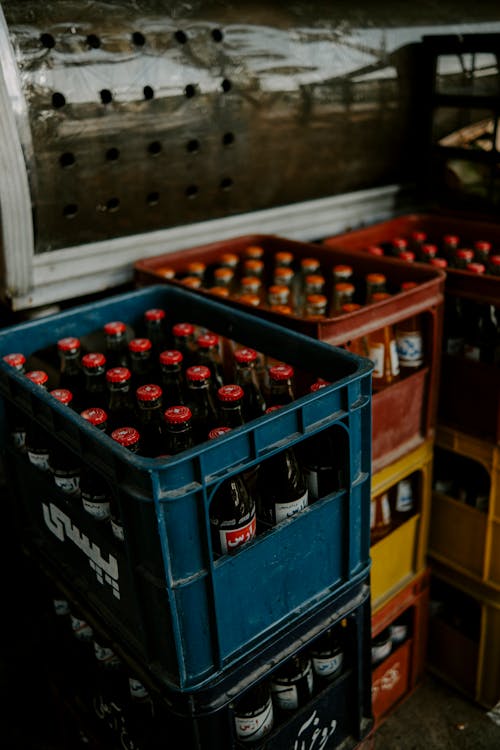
(435,717)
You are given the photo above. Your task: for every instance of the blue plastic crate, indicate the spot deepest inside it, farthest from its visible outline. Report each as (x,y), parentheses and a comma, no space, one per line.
(189,616)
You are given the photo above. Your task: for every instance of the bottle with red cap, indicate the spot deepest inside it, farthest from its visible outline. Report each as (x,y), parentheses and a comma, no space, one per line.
(64,464)
(453,325)
(494,265)
(71,374)
(383,352)
(281,385)
(16,421)
(94,489)
(184,342)
(116,344)
(172,377)
(398,245)
(481,332)
(200,401)
(461,258)
(178,429)
(141,362)
(129,438)
(293,683)
(409,339)
(155,330)
(418,239)
(427,252)
(150,419)
(230,405)
(246,375)
(482,250)
(37,439)
(253,713)
(450,245)
(208,348)
(95,391)
(121,407)
(232,511)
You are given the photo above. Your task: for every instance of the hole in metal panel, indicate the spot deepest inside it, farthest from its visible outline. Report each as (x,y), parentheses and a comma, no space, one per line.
(70,210)
(67,159)
(217,35)
(93,41)
(193,146)
(112,154)
(181,36)
(47,41)
(227,139)
(148,92)
(138,39)
(154,148)
(58,100)
(106,96)
(191,191)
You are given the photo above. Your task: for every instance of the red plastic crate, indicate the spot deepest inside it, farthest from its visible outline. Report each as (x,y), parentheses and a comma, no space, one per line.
(403,414)
(469,392)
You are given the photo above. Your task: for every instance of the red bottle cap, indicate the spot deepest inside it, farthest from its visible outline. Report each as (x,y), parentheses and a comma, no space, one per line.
(438,262)
(495,260)
(418,236)
(341,269)
(253,265)
(465,254)
(183,329)
(193,282)
(251,282)
(345,286)
(230,393)
(115,328)
(351,307)
(171,357)
(429,250)
(282,273)
(270,409)
(39,377)
(399,243)
(375,250)
(126,436)
(375,278)
(283,257)
(94,415)
(281,309)
(62,394)
(318,385)
(223,274)
(245,355)
(217,432)
(166,272)
(118,375)
(207,340)
(93,360)
(229,259)
(407,255)
(219,291)
(254,251)
(155,313)
(177,414)
(451,239)
(249,299)
(406,285)
(196,268)
(148,392)
(68,344)
(198,373)
(281,372)
(16,360)
(477,268)
(314,279)
(482,245)
(140,345)
(309,264)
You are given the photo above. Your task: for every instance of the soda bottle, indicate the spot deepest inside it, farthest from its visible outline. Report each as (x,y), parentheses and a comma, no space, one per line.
(251,285)
(252,300)
(453,326)
(245,375)
(343,294)
(229,260)
(198,269)
(209,356)
(461,258)
(192,282)
(253,713)
(482,251)
(284,276)
(427,252)
(283,258)
(16,421)
(63,463)
(141,362)
(398,245)
(404,503)
(417,240)
(37,439)
(476,268)
(407,255)
(232,511)
(292,683)
(253,267)
(494,265)
(322,462)
(281,385)
(154,320)
(200,400)
(409,339)
(450,246)
(327,655)
(129,438)
(121,407)
(225,277)
(375,282)
(178,429)
(219,291)
(172,377)
(254,251)
(316,306)
(383,352)
(150,419)
(230,405)
(95,392)
(278,294)
(71,374)
(441,263)
(116,344)
(94,489)
(380,517)
(166,272)
(184,342)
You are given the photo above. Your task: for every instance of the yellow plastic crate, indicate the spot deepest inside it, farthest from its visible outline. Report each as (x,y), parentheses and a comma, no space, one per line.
(460,536)
(402,554)
(471,665)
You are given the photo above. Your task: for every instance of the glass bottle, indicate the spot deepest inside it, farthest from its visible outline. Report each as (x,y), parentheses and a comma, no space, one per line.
(230,405)
(63,463)
(129,438)
(141,362)
(225,277)
(245,375)
(453,326)
(282,489)
(462,257)
(150,419)
(322,461)
(200,401)
(316,306)
(172,377)
(380,517)
(427,252)
(198,269)
(192,282)
(184,341)
(16,421)
(232,512)
(253,714)
(95,389)
(409,339)
(398,245)
(278,294)
(343,293)
(283,276)
(229,260)
(283,258)
(417,240)
(450,244)
(383,352)
(253,267)
(121,407)
(281,385)
(407,255)
(404,502)
(254,251)
(71,374)
(178,429)
(439,262)
(37,439)
(208,347)
(482,250)
(251,285)
(292,683)
(358,345)
(252,300)
(327,655)
(154,320)
(481,333)
(94,489)
(375,282)
(116,344)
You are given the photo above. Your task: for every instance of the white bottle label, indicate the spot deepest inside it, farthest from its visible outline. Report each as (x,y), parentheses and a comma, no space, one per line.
(285,510)
(410,348)
(233,537)
(380,652)
(287,696)
(81,629)
(376,354)
(404,496)
(398,633)
(472,352)
(19,439)
(394,357)
(96,505)
(70,484)
(61,607)
(106,656)
(251,728)
(40,460)
(311,477)
(137,689)
(326,666)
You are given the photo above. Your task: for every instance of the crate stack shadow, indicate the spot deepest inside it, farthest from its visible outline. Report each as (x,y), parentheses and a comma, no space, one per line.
(403,431)
(195,632)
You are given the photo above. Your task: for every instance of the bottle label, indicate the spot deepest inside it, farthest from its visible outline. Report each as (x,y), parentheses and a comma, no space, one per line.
(117,529)
(106,656)
(404,497)
(81,629)
(376,354)
(454,345)
(386,509)
(96,505)
(287,695)
(398,633)
(394,357)
(18,438)
(285,510)
(137,689)
(255,726)
(235,536)
(39,459)
(61,607)
(472,352)
(327,666)
(68,483)
(410,348)
(380,652)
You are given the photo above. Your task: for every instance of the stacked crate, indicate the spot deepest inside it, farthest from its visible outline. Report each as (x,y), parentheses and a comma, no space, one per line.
(403,419)
(200,631)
